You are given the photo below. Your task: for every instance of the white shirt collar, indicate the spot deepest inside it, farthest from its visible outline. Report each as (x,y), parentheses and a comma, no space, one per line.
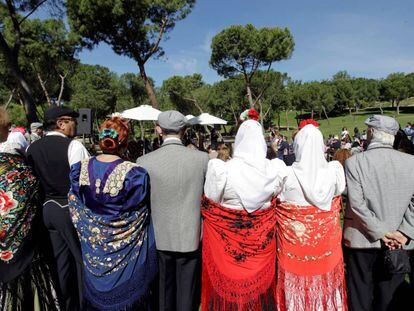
(172,138)
(55,133)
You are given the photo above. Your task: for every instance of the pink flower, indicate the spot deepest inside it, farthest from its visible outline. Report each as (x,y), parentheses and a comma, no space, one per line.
(7,202)
(6,255)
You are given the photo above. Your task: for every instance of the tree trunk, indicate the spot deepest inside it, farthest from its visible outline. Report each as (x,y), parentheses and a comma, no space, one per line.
(278,121)
(287,121)
(249,95)
(25,90)
(43,85)
(380,106)
(148,87)
(10,99)
(260,112)
(326,115)
(62,87)
(312,114)
(398,107)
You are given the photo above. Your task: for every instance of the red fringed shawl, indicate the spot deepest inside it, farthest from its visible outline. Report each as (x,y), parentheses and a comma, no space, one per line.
(310,263)
(239,259)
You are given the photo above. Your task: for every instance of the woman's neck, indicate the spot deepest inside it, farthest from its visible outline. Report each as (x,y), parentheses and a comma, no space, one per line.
(107,157)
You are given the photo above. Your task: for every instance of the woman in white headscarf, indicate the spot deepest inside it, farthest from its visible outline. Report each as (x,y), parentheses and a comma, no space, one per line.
(239,245)
(310,262)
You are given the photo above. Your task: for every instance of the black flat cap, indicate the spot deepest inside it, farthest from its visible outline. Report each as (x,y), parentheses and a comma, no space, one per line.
(56,112)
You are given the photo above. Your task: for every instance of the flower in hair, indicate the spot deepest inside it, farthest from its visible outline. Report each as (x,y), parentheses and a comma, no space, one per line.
(253,114)
(303,123)
(108,133)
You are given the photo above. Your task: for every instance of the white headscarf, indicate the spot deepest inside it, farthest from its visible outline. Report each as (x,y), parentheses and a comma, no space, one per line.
(316,178)
(15,141)
(253,176)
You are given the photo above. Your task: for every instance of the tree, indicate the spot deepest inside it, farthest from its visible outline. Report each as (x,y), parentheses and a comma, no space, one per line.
(395,89)
(245,49)
(227,98)
(133,28)
(13,15)
(271,85)
(92,88)
(48,56)
(130,91)
(181,93)
(366,91)
(344,92)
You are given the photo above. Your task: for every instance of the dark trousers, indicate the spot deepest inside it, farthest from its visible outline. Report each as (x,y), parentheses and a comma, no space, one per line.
(179,281)
(370,287)
(67,255)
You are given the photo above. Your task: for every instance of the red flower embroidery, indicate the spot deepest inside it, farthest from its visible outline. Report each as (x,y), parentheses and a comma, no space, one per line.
(7,202)
(6,255)
(2,234)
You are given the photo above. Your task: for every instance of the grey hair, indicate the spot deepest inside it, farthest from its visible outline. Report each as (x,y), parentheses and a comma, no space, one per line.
(382,137)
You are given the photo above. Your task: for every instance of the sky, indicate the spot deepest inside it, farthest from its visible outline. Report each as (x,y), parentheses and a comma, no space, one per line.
(367,38)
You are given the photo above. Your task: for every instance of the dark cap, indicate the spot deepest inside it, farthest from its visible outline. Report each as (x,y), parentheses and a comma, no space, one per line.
(172,120)
(383,123)
(56,112)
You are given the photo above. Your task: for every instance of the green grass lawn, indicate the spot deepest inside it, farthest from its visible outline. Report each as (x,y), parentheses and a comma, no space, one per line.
(335,124)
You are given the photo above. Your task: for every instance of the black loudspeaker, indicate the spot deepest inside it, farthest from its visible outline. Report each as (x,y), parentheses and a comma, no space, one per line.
(85,122)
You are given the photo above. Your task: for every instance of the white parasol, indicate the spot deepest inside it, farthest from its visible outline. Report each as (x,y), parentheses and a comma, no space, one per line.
(206,119)
(141,113)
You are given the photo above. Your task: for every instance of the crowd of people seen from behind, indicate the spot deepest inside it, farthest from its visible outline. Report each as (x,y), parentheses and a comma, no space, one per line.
(255,225)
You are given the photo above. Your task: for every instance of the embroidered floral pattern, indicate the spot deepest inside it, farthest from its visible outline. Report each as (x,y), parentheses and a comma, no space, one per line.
(17,204)
(84,173)
(116,179)
(7,202)
(100,234)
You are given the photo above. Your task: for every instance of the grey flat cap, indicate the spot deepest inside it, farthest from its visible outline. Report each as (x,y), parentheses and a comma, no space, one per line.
(383,123)
(172,120)
(35,126)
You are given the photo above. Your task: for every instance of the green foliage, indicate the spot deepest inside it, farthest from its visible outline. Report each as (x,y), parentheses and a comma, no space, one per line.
(344,92)
(131,27)
(395,87)
(182,93)
(130,91)
(92,88)
(17,114)
(244,49)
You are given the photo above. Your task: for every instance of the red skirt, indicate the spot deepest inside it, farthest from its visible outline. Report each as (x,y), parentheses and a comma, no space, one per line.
(239,262)
(309,254)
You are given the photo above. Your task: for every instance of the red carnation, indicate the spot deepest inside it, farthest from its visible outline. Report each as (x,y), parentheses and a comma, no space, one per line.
(253,114)
(303,123)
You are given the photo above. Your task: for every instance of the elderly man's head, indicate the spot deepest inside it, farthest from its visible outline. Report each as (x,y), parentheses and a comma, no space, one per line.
(61,119)
(381,129)
(171,123)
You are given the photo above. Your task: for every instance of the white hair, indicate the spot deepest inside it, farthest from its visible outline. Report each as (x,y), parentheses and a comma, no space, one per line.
(382,137)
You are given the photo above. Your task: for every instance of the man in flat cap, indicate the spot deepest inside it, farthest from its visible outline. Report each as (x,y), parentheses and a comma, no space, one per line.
(36,131)
(177,178)
(51,158)
(380,216)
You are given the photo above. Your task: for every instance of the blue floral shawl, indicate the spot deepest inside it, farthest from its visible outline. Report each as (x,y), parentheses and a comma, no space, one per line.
(109,205)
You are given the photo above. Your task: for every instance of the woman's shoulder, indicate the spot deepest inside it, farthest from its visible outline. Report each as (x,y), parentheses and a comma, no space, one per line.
(335,166)
(217,165)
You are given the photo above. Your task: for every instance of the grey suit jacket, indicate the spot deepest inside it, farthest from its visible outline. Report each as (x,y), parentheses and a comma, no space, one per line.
(380,190)
(177,178)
